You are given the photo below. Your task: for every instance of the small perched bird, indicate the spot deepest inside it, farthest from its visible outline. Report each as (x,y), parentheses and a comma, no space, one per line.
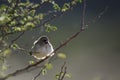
(42,48)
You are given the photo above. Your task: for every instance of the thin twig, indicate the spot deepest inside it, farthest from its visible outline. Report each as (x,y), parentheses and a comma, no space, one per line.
(43,67)
(96,18)
(62,72)
(16,38)
(83,15)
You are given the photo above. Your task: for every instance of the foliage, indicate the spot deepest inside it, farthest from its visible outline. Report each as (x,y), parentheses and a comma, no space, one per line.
(61,55)
(17,16)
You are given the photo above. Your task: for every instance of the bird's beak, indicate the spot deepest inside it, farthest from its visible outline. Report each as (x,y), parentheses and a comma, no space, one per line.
(46,42)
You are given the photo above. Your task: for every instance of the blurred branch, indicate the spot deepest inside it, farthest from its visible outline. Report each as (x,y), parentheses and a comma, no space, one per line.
(96,18)
(16,38)
(43,67)
(62,72)
(83,15)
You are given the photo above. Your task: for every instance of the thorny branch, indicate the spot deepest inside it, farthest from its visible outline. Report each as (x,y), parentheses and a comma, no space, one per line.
(41,61)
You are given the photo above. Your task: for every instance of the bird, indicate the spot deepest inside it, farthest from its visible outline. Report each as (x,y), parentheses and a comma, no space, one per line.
(42,48)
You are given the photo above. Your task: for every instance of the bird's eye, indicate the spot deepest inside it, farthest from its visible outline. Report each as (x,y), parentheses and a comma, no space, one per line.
(44,40)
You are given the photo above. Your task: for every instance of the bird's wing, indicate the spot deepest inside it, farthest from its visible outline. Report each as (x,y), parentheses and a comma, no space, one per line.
(35,43)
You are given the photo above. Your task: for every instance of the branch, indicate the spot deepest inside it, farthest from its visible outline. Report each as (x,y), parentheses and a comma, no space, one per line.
(96,18)
(16,38)
(62,72)
(43,67)
(83,15)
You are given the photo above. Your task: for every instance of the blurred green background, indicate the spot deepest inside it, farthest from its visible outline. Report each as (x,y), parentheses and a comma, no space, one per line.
(93,55)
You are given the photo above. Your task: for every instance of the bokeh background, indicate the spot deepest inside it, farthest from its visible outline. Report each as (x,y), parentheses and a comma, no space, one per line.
(93,55)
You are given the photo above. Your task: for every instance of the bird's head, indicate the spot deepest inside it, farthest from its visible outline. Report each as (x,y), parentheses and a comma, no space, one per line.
(44,40)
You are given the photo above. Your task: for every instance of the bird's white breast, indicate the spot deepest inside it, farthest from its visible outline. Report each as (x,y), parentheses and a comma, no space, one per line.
(40,52)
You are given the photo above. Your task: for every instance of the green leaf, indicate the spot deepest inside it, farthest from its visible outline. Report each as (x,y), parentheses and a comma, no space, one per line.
(15,46)
(29,18)
(3,6)
(57,76)
(44,1)
(2,18)
(65,7)
(44,71)
(32,12)
(4,67)
(68,75)
(31,62)
(41,16)
(35,6)
(6,52)
(9,1)
(17,29)
(61,55)
(22,4)
(50,27)
(29,24)
(56,7)
(48,66)
(80,1)
(13,23)
(54,28)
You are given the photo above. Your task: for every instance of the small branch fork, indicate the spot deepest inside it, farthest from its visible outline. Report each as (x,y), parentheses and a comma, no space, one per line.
(62,72)
(61,75)
(43,67)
